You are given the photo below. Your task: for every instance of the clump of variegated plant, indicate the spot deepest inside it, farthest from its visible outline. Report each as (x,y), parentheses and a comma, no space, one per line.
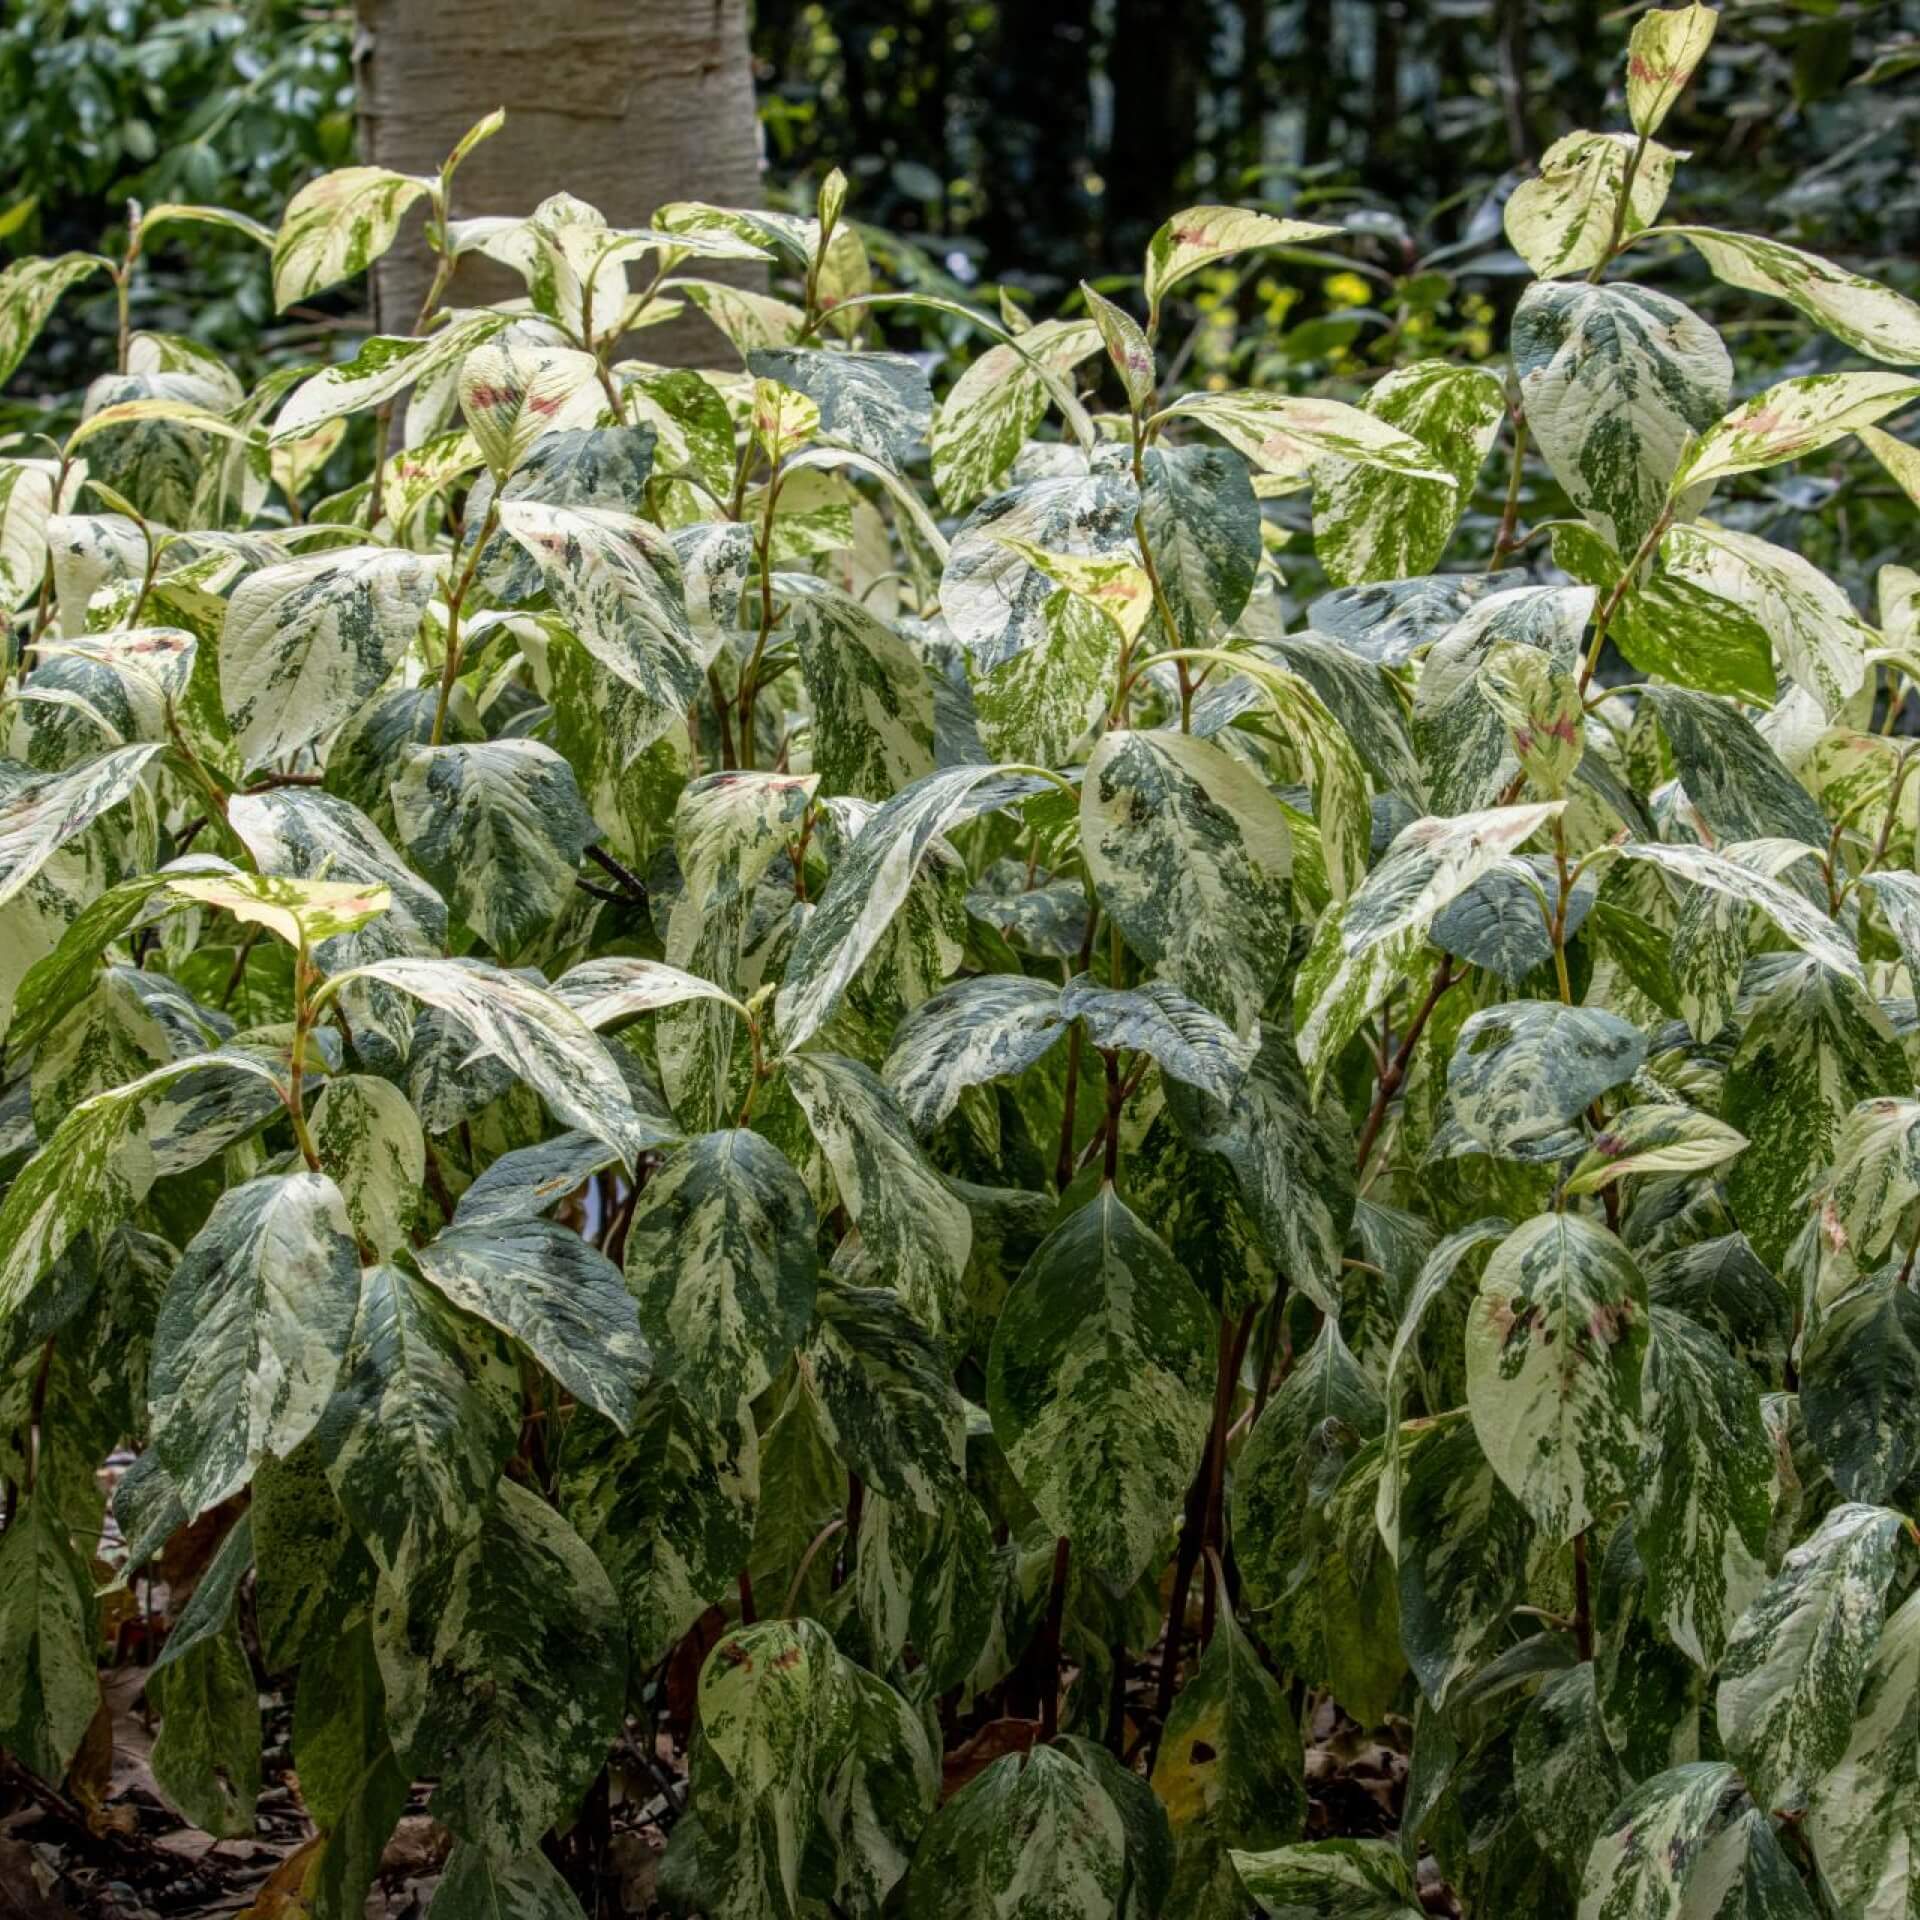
(642,1045)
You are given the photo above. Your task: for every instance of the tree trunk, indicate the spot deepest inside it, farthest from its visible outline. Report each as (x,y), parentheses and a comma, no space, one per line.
(625,103)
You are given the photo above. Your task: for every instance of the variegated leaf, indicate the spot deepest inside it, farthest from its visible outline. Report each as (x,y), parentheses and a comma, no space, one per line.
(1196,237)
(506,1671)
(1285,437)
(1864,1816)
(915,1234)
(527,1030)
(668,1509)
(1555,1344)
(720,1256)
(1331,1880)
(1362,948)
(26,504)
(385,366)
(878,404)
(477,1886)
(991,1027)
(872,698)
(1654,1139)
(1228,1771)
(1703,1498)
(618,586)
(1662,53)
(49,1629)
(1183,1038)
(991,594)
(1045,704)
(1798,1657)
(1614,379)
(369,1141)
(887,1396)
(1793,418)
(415,1437)
(870,884)
(1099,1384)
(1565,1774)
(41,814)
(1870,318)
(499,827)
(310,640)
(1562,221)
(560,1298)
(1860,1375)
(337,226)
(1524,1072)
(1033,1837)
(252,1333)
(1193,861)
(1371,523)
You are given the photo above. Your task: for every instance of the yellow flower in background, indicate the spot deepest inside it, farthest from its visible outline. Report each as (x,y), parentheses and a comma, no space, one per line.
(1346,290)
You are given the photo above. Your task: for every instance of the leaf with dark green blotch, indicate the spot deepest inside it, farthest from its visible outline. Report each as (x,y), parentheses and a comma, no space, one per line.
(668,1508)
(1463,1548)
(1045,704)
(878,404)
(1703,1497)
(870,884)
(990,1027)
(49,1628)
(529,1181)
(1149,1837)
(1331,1880)
(1555,1344)
(1733,777)
(991,594)
(877,1799)
(1184,1039)
(1565,1775)
(415,1437)
(720,1256)
(1390,621)
(1464,746)
(1687,1841)
(1524,1071)
(1811,1051)
(1798,1656)
(1228,1770)
(206,1758)
(1615,379)
(1649,1692)
(872,697)
(803,1487)
(1325,1406)
(1100,1384)
(210,1606)
(1033,1837)
(311,1576)
(891,1407)
(499,827)
(1202,526)
(1366,703)
(587,467)
(915,1233)
(1864,1816)
(476,1886)
(1859,1386)
(252,1332)
(506,1669)
(1291,1157)
(1193,860)
(928,1580)
(308,641)
(563,1300)
(1370,523)
(1497,923)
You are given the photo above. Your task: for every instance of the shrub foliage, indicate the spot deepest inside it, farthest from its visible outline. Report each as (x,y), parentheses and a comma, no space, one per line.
(640,1048)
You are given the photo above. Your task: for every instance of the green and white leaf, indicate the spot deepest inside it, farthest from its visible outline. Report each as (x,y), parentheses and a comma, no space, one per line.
(1099,1384)
(1562,221)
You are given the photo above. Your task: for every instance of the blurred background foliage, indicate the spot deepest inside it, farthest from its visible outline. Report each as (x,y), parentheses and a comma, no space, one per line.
(1039,142)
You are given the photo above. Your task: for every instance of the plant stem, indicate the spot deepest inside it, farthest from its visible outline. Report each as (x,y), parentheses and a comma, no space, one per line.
(1390,1082)
(1056,1609)
(1504,542)
(1611,605)
(1582,1598)
(1233,1351)
(450,666)
(1621,208)
(297,1065)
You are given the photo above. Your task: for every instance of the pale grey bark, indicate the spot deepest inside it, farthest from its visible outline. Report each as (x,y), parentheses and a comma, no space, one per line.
(625,103)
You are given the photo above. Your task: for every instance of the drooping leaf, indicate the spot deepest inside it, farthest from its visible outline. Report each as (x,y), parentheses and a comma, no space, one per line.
(1099,1383)
(1555,1344)
(720,1256)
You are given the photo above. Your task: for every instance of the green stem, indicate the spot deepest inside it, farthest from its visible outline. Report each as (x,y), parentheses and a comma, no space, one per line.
(450,666)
